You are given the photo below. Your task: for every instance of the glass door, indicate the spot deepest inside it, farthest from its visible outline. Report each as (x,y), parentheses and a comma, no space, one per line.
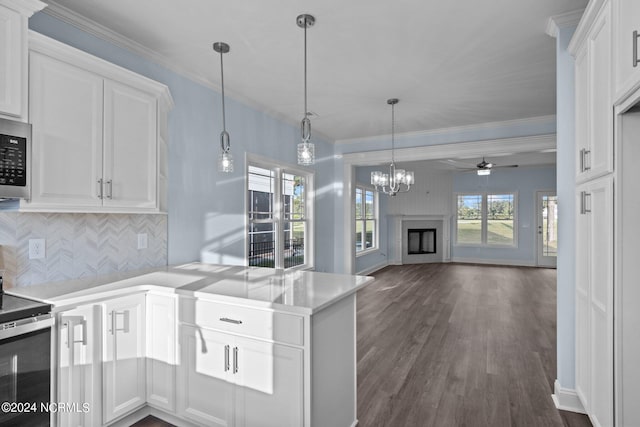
(547,228)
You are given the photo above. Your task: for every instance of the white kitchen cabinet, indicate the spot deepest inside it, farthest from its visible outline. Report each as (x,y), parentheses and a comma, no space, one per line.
(626,15)
(232,380)
(14,15)
(79,373)
(594,110)
(123,358)
(594,299)
(97,132)
(161,337)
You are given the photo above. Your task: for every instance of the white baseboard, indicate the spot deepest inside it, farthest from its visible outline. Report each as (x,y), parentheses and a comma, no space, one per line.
(566,399)
(509,262)
(373,269)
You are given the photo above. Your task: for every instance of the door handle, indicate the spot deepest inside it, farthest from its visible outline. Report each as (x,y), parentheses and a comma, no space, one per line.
(235,360)
(109,189)
(635,49)
(100,189)
(125,319)
(226,358)
(583,202)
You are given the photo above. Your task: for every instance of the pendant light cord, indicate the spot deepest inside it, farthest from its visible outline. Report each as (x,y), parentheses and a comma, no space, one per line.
(224,123)
(393,132)
(305,67)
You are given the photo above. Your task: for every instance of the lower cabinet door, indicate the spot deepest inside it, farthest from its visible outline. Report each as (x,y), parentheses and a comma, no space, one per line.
(124,356)
(161,351)
(204,383)
(269,384)
(79,367)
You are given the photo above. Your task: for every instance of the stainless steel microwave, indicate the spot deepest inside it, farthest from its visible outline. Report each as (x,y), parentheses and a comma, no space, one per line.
(15,160)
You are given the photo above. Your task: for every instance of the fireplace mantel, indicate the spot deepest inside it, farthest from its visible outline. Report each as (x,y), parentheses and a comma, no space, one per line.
(397,221)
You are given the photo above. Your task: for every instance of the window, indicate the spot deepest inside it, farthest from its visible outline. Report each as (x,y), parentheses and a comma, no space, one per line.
(278,211)
(486,219)
(366,219)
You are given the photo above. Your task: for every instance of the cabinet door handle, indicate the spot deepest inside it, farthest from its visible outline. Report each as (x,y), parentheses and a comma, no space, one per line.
(235,322)
(109,189)
(583,202)
(70,322)
(587,164)
(235,360)
(69,333)
(226,358)
(635,49)
(125,319)
(100,189)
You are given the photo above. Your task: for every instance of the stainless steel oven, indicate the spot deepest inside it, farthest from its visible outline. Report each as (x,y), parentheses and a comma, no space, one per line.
(25,361)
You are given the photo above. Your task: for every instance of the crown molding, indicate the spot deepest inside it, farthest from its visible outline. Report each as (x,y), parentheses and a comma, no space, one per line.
(24,7)
(456,129)
(569,19)
(589,16)
(443,151)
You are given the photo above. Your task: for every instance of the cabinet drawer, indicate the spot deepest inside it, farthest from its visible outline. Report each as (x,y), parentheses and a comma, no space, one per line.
(264,324)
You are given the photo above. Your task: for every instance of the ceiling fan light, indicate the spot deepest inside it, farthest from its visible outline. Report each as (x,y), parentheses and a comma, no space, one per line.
(482,172)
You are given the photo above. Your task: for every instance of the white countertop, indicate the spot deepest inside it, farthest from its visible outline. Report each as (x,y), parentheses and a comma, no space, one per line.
(304,292)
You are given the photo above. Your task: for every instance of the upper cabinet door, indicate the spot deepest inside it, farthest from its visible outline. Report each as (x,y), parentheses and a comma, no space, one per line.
(11,69)
(627,46)
(66,113)
(130,147)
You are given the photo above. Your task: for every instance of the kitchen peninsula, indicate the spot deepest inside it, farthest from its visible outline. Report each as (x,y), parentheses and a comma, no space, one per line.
(202,344)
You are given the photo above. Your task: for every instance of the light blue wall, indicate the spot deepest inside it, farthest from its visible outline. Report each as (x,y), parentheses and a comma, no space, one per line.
(525,181)
(206,208)
(467,134)
(566,213)
(380,256)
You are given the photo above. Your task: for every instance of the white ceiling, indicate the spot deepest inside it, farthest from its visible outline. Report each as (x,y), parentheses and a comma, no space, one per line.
(451,63)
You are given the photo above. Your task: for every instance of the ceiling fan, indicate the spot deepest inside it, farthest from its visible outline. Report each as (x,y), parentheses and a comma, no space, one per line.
(482,168)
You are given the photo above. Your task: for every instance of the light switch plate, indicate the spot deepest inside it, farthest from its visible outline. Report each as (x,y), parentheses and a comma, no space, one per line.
(142,241)
(36,248)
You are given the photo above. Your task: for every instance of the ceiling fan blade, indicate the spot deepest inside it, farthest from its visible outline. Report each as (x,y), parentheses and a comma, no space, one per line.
(505,166)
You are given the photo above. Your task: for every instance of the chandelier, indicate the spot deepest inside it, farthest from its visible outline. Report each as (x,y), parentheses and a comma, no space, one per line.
(397,180)
(225,160)
(306,149)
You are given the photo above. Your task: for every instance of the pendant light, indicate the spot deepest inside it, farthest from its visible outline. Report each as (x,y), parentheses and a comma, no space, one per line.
(225,160)
(397,180)
(306,149)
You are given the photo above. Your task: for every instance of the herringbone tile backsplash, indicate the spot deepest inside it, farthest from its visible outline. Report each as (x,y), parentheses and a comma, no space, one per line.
(78,245)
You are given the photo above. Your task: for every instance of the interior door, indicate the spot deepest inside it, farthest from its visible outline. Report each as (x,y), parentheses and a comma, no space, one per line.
(547,228)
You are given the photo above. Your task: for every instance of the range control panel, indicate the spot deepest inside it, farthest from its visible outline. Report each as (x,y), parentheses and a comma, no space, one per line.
(13,160)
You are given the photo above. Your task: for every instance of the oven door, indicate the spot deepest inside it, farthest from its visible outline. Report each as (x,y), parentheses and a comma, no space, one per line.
(25,372)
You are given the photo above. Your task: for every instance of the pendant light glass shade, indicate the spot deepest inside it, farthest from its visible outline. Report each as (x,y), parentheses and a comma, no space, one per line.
(397,180)
(225,159)
(306,148)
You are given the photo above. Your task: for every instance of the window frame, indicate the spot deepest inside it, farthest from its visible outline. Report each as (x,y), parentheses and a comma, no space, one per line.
(279,220)
(484,219)
(376,219)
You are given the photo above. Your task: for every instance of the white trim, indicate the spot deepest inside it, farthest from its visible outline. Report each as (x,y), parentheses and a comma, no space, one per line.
(372,269)
(466,128)
(588,17)
(568,19)
(535,143)
(509,262)
(25,7)
(566,399)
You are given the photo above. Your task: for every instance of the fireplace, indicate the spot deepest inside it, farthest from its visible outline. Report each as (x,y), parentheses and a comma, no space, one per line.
(421,241)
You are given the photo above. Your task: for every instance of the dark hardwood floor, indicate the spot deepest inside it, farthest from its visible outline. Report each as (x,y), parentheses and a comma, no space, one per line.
(458,345)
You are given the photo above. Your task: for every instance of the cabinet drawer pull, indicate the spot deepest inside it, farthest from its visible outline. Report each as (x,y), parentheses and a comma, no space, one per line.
(635,48)
(235,322)
(235,360)
(100,189)
(583,202)
(226,358)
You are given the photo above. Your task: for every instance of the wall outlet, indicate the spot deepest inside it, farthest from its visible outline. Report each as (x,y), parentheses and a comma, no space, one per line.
(36,248)
(142,241)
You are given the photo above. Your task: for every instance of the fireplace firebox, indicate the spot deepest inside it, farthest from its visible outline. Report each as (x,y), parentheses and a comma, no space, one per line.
(421,241)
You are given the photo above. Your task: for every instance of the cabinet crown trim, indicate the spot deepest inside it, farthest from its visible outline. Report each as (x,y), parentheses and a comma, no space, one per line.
(589,16)
(25,7)
(568,19)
